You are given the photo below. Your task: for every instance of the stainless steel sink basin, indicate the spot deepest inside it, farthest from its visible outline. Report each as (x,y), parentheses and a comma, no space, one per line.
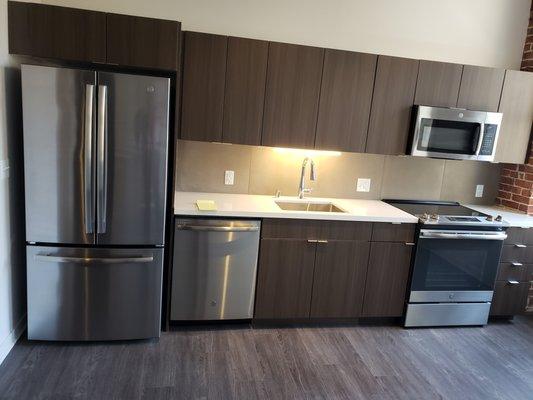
(309,206)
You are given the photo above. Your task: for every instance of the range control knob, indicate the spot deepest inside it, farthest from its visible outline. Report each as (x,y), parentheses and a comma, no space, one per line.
(490,218)
(434,217)
(498,218)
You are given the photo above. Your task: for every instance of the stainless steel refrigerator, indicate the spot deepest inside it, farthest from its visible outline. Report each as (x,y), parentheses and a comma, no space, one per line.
(95,168)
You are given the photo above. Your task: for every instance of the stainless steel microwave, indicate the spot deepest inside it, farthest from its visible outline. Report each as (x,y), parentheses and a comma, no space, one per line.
(455,133)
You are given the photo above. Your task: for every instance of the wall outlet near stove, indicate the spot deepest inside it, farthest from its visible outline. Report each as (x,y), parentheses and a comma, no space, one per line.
(479,190)
(229,177)
(363,184)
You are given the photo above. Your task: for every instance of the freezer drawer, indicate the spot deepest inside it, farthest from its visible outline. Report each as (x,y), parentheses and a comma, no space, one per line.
(214,271)
(93,294)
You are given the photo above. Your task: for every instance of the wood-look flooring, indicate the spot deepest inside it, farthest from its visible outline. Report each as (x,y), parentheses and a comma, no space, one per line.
(328,362)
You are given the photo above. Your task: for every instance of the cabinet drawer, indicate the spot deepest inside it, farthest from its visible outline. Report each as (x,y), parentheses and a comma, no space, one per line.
(514,252)
(508,271)
(312,229)
(529,273)
(383,232)
(509,299)
(515,236)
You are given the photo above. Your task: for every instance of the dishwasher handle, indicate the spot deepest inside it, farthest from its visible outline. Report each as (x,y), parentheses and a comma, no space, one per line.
(217,228)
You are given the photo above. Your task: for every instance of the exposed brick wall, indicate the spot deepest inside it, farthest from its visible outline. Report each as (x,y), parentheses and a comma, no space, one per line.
(527,58)
(516,182)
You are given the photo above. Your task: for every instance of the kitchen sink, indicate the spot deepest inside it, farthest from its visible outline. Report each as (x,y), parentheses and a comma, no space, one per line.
(309,206)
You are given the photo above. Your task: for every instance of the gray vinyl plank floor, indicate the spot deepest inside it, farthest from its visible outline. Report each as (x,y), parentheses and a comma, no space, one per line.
(324,362)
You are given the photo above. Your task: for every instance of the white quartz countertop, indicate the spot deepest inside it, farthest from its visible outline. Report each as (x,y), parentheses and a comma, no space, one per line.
(514,218)
(255,206)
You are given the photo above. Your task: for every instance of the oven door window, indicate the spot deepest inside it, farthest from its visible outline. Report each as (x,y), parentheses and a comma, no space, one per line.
(457,137)
(455,264)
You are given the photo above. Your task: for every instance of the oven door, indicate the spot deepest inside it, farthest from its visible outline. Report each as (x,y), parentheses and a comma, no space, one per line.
(455,266)
(448,133)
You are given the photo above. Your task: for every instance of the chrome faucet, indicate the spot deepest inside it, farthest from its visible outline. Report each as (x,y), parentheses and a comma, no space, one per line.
(302,190)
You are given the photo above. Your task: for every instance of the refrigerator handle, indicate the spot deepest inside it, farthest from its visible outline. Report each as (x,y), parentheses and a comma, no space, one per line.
(88,159)
(102,159)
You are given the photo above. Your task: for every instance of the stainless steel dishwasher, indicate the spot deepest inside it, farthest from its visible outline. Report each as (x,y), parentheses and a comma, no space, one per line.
(214,269)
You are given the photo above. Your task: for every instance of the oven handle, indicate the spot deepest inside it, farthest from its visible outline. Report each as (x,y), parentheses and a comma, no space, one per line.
(481,134)
(428,234)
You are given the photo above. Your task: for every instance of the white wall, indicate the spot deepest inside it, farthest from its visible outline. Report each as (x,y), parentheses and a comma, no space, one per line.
(482,32)
(12,262)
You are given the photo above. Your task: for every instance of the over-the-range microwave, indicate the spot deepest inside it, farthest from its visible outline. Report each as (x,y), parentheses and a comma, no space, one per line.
(454,133)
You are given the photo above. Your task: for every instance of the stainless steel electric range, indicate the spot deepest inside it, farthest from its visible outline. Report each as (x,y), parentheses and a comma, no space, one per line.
(455,264)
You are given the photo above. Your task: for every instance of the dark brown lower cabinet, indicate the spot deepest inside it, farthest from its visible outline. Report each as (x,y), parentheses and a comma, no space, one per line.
(386,282)
(285,279)
(339,279)
(509,299)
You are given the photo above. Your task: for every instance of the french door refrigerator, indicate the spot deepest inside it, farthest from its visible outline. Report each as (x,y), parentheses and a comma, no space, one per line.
(95,166)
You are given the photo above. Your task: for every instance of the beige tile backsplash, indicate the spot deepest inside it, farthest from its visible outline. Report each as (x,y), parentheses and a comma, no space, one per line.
(263,170)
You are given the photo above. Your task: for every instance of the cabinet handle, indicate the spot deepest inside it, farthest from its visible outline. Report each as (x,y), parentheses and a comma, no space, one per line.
(409,244)
(322,241)
(513,282)
(312,241)
(520,246)
(516,264)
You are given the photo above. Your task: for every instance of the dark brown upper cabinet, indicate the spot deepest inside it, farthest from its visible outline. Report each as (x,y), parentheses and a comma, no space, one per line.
(481,88)
(517,107)
(204,72)
(345,99)
(45,31)
(245,91)
(142,42)
(438,84)
(291,99)
(394,92)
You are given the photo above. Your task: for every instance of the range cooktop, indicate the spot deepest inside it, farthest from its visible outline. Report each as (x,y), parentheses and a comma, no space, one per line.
(445,213)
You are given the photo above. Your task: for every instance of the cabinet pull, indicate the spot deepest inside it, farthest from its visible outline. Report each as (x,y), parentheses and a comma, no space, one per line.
(516,264)
(513,282)
(520,246)
(409,244)
(322,241)
(312,241)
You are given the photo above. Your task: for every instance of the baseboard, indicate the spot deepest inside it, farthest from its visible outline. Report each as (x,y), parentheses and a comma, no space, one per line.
(7,344)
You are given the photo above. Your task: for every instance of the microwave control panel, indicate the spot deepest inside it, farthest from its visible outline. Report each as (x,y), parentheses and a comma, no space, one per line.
(489,136)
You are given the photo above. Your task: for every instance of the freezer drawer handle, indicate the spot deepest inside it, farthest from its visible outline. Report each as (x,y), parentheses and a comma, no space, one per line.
(87,158)
(90,260)
(209,228)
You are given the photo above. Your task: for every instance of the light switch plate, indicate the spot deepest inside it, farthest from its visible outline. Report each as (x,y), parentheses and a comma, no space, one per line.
(363,184)
(229,177)
(479,190)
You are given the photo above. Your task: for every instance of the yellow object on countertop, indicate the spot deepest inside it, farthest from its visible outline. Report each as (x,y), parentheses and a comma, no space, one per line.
(206,205)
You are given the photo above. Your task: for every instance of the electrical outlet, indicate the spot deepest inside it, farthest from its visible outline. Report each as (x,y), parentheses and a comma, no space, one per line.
(479,190)
(363,184)
(229,177)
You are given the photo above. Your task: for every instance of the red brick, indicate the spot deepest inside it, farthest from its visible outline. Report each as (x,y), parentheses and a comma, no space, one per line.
(530,210)
(513,174)
(529,177)
(526,192)
(523,207)
(523,184)
(511,167)
(507,180)
(504,195)
(510,204)
(520,199)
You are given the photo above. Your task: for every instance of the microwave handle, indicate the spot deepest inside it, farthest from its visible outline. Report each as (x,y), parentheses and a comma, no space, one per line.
(480,141)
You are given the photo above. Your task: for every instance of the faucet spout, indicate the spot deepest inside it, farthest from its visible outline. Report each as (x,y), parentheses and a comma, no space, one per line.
(302,190)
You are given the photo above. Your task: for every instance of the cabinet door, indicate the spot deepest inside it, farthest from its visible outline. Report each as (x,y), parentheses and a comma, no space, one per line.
(292,90)
(509,299)
(345,99)
(142,42)
(56,32)
(517,107)
(204,71)
(386,282)
(285,279)
(438,84)
(245,91)
(481,88)
(394,92)
(339,279)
